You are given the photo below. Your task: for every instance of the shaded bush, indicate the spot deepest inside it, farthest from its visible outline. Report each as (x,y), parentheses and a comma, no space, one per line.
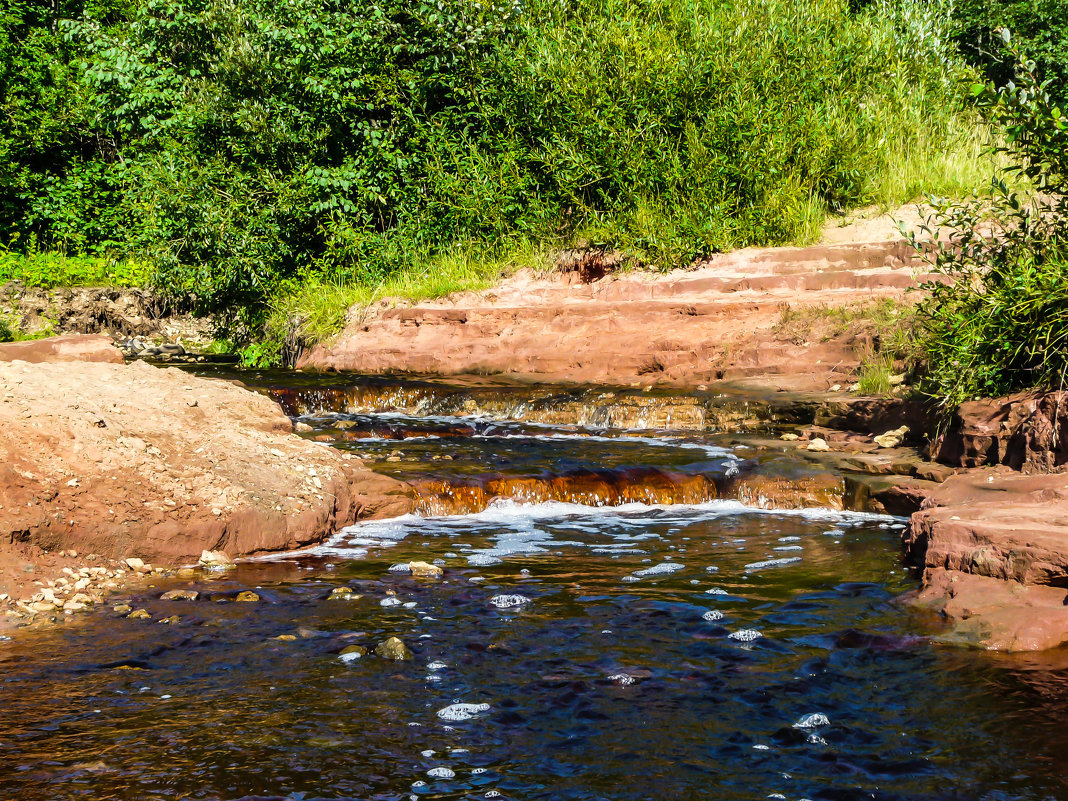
(997,319)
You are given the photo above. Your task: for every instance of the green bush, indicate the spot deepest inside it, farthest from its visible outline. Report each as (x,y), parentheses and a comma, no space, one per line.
(236,145)
(996,319)
(1040,27)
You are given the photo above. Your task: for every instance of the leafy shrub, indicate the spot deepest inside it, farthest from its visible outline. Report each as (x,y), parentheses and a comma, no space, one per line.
(236,145)
(1040,27)
(996,319)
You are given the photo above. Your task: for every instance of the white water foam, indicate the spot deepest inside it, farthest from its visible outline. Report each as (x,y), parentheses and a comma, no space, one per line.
(764,565)
(458,711)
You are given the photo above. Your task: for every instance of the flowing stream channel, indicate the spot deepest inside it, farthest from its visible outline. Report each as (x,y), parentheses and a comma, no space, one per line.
(624,614)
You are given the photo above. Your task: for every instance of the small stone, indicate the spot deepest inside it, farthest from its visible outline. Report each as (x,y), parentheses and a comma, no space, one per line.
(186,572)
(247,596)
(789,437)
(139,614)
(425,570)
(393,649)
(285,637)
(180,595)
(302,428)
(135,564)
(43,606)
(217,559)
(818,444)
(891,439)
(172,620)
(122,609)
(351,653)
(342,594)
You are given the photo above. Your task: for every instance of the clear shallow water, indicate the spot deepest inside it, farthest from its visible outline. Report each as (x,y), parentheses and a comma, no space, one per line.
(637,652)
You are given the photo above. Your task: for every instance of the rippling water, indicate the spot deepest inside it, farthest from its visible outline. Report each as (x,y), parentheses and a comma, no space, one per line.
(708,651)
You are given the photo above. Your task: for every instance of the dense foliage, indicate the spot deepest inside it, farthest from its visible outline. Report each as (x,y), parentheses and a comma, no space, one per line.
(998,322)
(1040,27)
(234,145)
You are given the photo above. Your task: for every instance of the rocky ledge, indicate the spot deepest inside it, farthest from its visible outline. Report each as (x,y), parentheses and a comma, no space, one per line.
(138,461)
(992,539)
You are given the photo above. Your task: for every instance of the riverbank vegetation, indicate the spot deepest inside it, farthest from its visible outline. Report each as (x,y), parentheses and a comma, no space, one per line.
(996,318)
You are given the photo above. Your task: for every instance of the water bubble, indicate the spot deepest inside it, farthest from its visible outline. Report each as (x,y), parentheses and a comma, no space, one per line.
(436,666)
(812,721)
(410,605)
(715,591)
(441,773)
(711,569)
(834,532)
(400,567)
(476,579)
(482,560)
(492,794)
(418,783)
(508,601)
(762,747)
(456,712)
(622,679)
(815,739)
(789,539)
(788,548)
(745,635)
(475,771)
(428,752)
(712,614)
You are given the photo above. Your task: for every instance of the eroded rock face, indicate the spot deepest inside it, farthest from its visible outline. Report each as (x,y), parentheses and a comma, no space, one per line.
(126,460)
(1027,431)
(70,348)
(718,321)
(994,548)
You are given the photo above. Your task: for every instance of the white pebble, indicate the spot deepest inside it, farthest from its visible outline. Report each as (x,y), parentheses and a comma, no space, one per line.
(441,773)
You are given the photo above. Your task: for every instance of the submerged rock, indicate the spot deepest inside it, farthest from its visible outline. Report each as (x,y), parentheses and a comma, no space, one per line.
(393,648)
(425,570)
(247,597)
(180,595)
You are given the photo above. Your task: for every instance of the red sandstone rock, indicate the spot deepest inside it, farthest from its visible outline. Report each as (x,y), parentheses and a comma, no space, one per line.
(135,460)
(1027,431)
(70,348)
(688,327)
(994,548)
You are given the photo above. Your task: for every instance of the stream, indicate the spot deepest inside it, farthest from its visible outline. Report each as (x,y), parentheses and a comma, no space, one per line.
(627,612)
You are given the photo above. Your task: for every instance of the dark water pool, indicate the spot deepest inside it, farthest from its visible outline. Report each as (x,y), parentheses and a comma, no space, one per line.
(707,675)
